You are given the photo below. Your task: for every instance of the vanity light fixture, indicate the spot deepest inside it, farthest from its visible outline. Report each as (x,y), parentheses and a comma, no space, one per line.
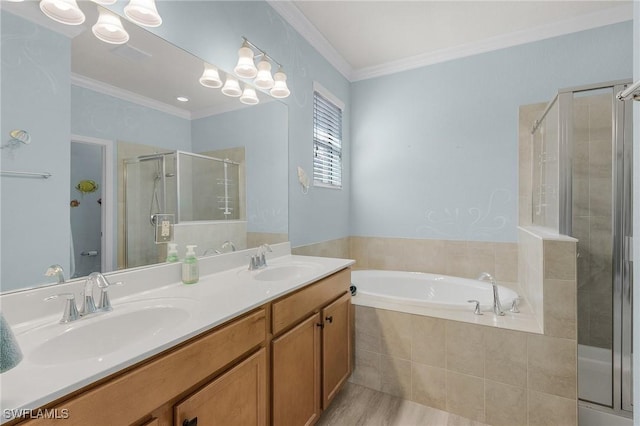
(263,79)
(109,28)
(249,96)
(63,11)
(280,89)
(231,87)
(143,12)
(245,67)
(210,77)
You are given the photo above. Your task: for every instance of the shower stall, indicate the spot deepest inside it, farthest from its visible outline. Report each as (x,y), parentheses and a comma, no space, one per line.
(582,187)
(188,187)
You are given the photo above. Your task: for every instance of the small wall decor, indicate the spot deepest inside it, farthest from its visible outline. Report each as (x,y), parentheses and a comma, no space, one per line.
(87,186)
(74,203)
(18,138)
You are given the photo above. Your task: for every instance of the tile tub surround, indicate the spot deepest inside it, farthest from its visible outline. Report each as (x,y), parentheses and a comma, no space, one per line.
(332,248)
(491,375)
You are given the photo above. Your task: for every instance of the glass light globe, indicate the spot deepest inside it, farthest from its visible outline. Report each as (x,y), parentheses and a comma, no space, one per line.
(63,11)
(109,28)
(232,87)
(210,77)
(143,12)
(245,67)
(249,96)
(264,80)
(280,89)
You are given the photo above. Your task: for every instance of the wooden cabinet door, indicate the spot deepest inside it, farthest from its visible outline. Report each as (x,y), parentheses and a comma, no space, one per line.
(296,374)
(238,397)
(336,347)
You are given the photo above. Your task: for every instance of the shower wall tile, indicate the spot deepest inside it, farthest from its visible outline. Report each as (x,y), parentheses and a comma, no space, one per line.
(527,114)
(600,190)
(600,159)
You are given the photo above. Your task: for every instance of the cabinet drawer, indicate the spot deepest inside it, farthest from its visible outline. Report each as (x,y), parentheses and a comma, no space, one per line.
(135,394)
(297,306)
(238,397)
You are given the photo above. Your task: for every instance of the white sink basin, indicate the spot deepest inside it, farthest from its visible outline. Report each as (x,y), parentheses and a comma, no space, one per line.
(102,334)
(284,272)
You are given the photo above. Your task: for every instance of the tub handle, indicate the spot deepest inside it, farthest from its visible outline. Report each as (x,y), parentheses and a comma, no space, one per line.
(476,309)
(514,306)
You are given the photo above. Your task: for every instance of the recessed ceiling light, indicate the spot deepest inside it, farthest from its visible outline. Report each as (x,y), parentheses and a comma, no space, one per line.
(182,99)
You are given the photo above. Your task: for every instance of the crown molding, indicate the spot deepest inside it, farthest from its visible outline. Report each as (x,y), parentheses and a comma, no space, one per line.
(307,30)
(585,22)
(116,92)
(290,13)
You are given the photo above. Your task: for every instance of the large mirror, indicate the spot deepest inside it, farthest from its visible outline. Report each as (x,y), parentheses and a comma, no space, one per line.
(95,142)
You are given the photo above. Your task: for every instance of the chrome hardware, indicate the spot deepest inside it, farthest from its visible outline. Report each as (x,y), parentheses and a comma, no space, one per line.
(104,303)
(56,271)
(228,244)
(497,307)
(476,309)
(259,260)
(89,306)
(70,309)
(514,306)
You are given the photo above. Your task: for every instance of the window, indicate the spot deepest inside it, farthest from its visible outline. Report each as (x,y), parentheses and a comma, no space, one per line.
(327,139)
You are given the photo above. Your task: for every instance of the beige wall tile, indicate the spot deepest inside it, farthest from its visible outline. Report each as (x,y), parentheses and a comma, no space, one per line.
(505,405)
(367,321)
(505,356)
(332,248)
(465,396)
(552,365)
(506,262)
(544,410)
(428,341)
(395,376)
(559,260)
(425,255)
(367,342)
(560,308)
(465,348)
(358,252)
(395,333)
(366,370)
(428,386)
(600,199)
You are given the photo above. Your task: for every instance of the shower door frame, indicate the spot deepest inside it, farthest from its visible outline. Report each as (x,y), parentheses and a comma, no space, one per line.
(622,380)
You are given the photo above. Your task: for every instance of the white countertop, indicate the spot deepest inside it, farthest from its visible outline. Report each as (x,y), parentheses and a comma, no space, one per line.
(221,296)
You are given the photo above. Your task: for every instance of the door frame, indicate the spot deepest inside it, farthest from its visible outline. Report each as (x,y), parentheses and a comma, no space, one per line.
(108,200)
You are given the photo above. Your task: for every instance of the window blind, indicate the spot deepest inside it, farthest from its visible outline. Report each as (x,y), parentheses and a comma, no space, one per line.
(327,142)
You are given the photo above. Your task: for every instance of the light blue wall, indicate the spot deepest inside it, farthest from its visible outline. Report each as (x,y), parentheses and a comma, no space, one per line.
(212,30)
(435,149)
(102,116)
(35,97)
(262,130)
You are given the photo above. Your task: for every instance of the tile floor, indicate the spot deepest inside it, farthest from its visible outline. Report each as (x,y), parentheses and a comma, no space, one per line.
(357,405)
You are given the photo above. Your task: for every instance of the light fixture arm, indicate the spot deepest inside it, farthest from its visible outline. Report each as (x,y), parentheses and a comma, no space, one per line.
(247,43)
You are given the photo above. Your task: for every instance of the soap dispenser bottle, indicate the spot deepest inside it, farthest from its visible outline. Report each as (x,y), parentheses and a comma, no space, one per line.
(172,253)
(190,273)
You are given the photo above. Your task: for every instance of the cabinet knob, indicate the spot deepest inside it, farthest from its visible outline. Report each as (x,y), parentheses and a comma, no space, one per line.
(192,422)
(329,319)
(321,325)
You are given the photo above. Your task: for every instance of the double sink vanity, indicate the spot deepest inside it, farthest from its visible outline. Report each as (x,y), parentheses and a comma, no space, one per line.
(240,347)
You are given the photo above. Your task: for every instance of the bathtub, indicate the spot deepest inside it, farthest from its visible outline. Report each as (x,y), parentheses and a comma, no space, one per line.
(441,296)
(429,290)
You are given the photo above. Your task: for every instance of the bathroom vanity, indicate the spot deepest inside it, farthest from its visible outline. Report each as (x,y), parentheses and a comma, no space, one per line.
(280,362)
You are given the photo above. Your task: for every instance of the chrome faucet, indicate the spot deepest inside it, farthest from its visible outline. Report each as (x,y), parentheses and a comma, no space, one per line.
(497,308)
(56,271)
(259,260)
(104,304)
(228,244)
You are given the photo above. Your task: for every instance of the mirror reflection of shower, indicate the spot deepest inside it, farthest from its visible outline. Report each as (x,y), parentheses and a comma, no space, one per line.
(182,185)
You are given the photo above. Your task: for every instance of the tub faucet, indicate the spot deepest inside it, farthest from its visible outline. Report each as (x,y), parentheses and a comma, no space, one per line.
(497,308)
(56,271)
